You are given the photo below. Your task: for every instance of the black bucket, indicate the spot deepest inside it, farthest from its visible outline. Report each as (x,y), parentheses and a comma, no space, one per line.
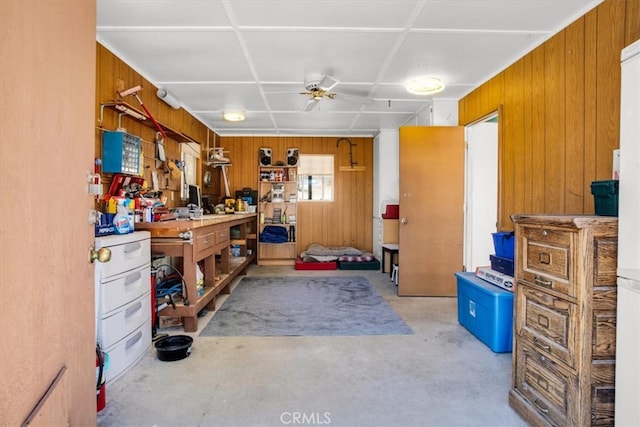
(174,347)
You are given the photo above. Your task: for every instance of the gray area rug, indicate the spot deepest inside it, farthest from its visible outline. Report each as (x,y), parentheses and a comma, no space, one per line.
(305,306)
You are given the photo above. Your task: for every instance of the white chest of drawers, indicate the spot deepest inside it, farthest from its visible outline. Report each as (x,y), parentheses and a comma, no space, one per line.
(123,300)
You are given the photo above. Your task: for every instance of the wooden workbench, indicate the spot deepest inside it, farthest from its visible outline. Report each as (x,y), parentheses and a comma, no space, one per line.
(196,240)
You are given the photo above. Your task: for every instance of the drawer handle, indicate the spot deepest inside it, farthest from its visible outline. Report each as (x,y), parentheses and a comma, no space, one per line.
(543,321)
(133,278)
(541,406)
(134,340)
(544,258)
(541,345)
(132,310)
(132,247)
(541,282)
(206,241)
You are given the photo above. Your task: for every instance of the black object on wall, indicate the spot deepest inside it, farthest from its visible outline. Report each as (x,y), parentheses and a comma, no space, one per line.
(264,156)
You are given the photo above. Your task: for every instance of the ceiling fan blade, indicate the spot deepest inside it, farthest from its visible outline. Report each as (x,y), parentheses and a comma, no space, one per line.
(310,105)
(282,91)
(327,83)
(353,98)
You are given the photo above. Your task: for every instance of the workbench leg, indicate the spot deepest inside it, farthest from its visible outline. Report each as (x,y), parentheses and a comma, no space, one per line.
(210,271)
(190,324)
(211,305)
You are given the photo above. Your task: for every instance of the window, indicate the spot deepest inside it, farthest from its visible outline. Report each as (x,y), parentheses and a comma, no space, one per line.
(315,177)
(190,155)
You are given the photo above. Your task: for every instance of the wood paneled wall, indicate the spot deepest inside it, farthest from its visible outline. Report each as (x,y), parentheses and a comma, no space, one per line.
(560,114)
(114,75)
(348,220)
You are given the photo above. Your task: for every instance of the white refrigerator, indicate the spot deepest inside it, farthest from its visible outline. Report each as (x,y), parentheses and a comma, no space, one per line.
(627,406)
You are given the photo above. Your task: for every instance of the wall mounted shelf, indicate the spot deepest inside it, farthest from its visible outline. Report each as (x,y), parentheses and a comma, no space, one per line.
(123,108)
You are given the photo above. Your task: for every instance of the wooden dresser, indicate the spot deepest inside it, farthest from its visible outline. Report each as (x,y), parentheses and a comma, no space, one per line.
(565,319)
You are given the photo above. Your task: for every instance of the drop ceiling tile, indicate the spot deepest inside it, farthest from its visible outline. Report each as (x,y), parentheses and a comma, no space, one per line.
(349,57)
(188,13)
(539,16)
(180,55)
(313,13)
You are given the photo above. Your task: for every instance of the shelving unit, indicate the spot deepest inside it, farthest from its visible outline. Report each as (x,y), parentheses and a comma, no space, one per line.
(123,108)
(277,207)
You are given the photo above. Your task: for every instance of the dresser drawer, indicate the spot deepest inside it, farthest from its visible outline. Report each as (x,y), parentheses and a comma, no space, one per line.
(125,320)
(128,351)
(549,388)
(124,288)
(128,251)
(210,240)
(547,323)
(545,259)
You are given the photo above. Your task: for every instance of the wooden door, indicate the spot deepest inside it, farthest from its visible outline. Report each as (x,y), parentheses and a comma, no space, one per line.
(431,210)
(47,132)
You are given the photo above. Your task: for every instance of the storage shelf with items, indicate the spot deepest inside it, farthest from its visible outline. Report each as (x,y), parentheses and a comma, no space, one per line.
(277,215)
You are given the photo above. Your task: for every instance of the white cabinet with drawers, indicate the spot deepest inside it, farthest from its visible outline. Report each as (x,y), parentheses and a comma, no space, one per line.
(123,300)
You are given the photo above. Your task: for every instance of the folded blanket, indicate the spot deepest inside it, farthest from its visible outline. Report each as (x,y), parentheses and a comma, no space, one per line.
(316,249)
(274,234)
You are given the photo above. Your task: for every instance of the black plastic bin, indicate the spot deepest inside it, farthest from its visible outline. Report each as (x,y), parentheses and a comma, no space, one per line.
(605,197)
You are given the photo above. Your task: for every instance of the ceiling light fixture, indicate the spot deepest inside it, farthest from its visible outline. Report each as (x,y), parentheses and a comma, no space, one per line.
(169,99)
(233,116)
(425,86)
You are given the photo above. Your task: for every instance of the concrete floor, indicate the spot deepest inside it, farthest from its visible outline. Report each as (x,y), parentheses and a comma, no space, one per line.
(439,376)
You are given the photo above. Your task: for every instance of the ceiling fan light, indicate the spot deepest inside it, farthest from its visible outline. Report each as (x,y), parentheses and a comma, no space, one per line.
(425,86)
(233,116)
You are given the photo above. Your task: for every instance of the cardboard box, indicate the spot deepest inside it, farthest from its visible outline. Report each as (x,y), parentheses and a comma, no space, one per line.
(390,231)
(495,278)
(486,311)
(169,321)
(616,164)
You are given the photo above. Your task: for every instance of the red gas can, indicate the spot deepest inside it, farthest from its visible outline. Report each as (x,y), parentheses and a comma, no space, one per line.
(101,386)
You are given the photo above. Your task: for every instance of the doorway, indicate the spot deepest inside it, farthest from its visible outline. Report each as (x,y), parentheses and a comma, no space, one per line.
(481,190)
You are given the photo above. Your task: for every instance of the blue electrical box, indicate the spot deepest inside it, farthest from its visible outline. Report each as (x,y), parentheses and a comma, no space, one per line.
(486,310)
(120,153)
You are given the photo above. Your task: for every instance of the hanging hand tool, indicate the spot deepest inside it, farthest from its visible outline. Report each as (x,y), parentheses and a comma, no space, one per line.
(134,91)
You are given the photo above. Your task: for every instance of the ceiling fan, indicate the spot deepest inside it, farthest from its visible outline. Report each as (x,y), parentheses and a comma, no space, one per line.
(322,87)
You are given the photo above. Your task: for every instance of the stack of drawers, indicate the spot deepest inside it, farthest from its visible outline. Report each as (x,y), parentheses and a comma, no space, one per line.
(565,319)
(123,300)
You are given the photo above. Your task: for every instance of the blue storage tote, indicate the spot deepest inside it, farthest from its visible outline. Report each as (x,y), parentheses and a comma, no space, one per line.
(486,311)
(503,243)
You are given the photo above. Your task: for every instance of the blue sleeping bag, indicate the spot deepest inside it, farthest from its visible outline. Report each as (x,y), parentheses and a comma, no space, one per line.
(274,234)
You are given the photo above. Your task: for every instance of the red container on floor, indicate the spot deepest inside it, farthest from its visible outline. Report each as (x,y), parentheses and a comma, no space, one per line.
(329,265)
(101,386)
